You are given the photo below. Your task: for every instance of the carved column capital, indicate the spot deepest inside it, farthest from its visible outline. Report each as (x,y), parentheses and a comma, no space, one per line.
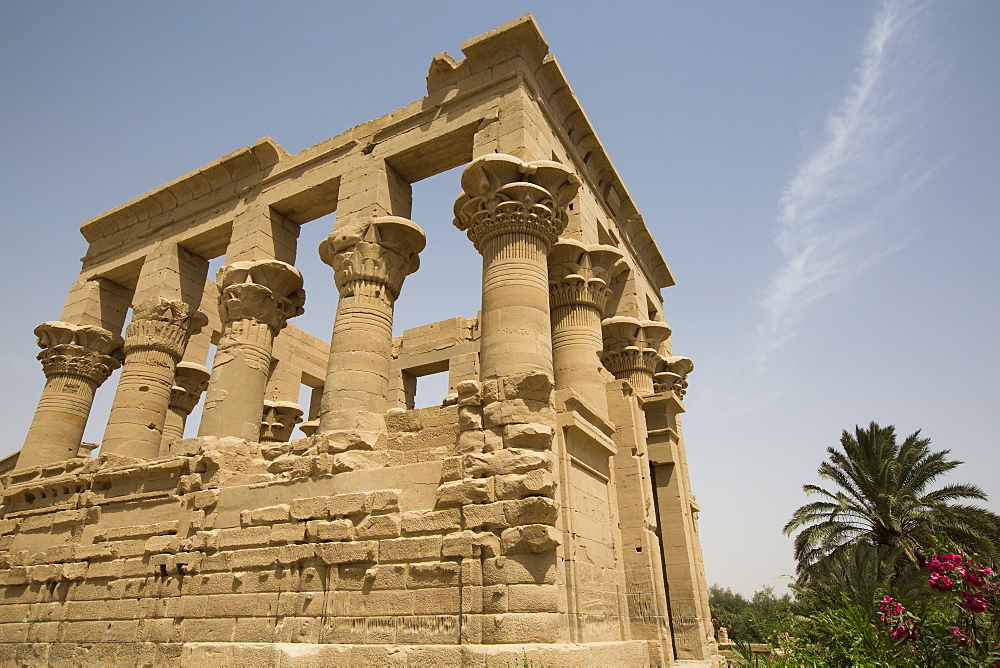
(85,351)
(164,325)
(671,375)
(190,380)
(581,274)
(278,421)
(504,194)
(631,349)
(263,291)
(372,258)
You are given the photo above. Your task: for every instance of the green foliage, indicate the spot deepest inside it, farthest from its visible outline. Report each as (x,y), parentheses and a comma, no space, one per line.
(882,497)
(886,573)
(759,619)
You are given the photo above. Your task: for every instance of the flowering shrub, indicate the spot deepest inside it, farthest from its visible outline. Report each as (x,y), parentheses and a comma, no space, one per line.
(959,624)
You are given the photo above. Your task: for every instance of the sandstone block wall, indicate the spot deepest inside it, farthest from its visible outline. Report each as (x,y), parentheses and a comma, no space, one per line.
(542,512)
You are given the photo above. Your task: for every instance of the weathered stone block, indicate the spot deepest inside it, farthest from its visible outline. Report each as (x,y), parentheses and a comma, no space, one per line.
(423,521)
(343,553)
(464,492)
(379,526)
(407,549)
(485,516)
(289,532)
(266,515)
(316,507)
(531,435)
(441,574)
(354,460)
(520,569)
(533,538)
(538,482)
(320,531)
(343,505)
(384,501)
(532,510)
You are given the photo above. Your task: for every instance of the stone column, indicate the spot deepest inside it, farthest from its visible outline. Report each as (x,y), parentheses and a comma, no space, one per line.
(280,418)
(370,260)
(513,212)
(631,350)
(190,380)
(579,279)
(677,512)
(256,298)
(76,359)
(154,343)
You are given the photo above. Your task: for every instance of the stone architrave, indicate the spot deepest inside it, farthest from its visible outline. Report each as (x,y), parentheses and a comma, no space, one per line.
(513,212)
(190,380)
(579,280)
(671,375)
(256,298)
(154,343)
(76,360)
(631,349)
(370,260)
(279,419)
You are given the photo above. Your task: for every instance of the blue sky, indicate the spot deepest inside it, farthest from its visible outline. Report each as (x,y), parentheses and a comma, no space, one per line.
(821,177)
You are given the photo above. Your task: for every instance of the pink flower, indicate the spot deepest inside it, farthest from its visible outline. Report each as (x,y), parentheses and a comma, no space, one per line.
(888,607)
(902,633)
(975,602)
(940,582)
(973,575)
(941,563)
(958,635)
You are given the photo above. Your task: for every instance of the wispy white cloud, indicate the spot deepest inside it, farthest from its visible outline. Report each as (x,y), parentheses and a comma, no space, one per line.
(853,185)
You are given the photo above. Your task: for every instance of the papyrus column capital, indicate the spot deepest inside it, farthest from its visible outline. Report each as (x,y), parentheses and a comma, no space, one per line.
(164,325)
(262,291)
(502,193)
(372,258)
(190,380)
(76,360)
(84,351)
(631,349)
(278,421)
(581,274)
(671,375)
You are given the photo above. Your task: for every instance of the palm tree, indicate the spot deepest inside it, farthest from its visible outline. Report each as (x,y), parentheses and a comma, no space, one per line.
(882,498)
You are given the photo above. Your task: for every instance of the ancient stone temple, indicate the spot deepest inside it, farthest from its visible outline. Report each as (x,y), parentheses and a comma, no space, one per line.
(541,513)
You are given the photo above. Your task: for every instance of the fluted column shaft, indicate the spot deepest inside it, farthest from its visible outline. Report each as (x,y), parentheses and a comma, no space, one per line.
(370,260)
(515,322)
(513,212)
(76,360)
(256,299)
(154,343)
(576,346)
(190,380)
(579,279)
